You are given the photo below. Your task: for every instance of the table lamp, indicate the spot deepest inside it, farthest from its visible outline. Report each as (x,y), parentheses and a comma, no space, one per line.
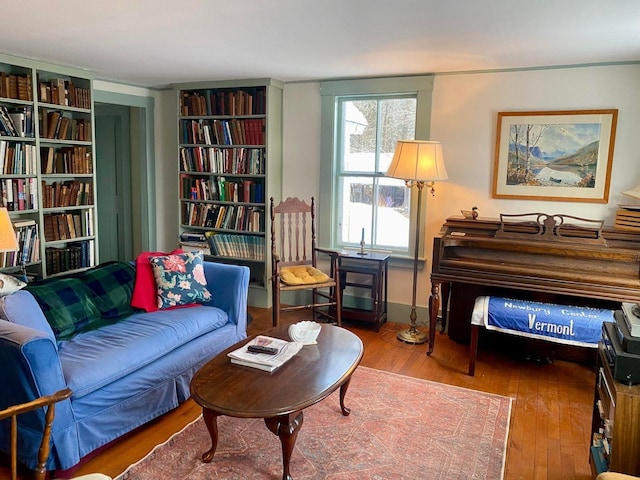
(418,163)
(8,241)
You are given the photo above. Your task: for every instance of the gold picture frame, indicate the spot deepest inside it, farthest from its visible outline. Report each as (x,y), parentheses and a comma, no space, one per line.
(554,155)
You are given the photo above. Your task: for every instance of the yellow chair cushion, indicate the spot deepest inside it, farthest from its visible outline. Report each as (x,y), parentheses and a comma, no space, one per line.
(303,275)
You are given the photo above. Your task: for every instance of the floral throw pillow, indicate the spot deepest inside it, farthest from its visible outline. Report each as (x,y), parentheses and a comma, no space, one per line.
(180,279)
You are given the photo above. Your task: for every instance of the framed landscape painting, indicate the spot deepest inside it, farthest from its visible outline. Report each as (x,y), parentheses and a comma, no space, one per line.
(559,155)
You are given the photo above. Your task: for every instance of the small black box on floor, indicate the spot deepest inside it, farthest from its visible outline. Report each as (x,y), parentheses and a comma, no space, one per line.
(625,366)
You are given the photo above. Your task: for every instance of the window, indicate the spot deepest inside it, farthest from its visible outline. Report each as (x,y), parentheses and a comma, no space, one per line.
(369,205)
(362,121)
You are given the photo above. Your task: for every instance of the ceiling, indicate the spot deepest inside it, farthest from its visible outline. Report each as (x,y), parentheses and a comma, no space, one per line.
(154,43)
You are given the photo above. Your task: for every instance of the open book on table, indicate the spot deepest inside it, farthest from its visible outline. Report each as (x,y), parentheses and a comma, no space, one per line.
(265,361)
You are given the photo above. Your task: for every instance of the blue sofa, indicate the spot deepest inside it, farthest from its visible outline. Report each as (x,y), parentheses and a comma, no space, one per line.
(122,375)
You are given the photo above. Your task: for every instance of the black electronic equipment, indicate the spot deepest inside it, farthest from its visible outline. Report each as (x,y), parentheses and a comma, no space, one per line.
(624,366)
(630,344)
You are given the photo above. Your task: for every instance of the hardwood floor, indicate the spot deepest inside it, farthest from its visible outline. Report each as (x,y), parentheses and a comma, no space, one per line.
(551,412)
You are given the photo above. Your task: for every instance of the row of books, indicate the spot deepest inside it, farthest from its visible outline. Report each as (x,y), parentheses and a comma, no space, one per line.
(17,158)
(16,121)
(66,226)
(56,125)
(244,131)
(28,245)
(76,160)
(248,101)
(228,217)
(223,160)
(220,189)
(234,245)
(14,86)
(69,193)
(60,91)
(19,193)
(72,256)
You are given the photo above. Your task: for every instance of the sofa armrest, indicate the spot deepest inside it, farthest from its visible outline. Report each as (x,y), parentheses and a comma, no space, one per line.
(31,369)
(23,309)
(35,368)
(229,287)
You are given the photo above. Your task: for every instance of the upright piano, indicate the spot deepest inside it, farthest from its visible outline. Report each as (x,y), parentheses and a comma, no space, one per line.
(542,257)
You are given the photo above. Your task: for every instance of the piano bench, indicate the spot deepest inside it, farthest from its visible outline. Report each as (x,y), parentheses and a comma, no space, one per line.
(565,324)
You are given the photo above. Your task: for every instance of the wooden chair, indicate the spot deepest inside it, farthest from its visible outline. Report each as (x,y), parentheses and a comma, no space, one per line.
(48,403)
(294,257)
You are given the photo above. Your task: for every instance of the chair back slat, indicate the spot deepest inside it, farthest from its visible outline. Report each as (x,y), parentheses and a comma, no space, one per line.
(291,219)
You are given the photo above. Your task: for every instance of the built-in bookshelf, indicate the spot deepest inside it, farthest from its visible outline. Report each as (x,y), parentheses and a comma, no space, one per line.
(229,163)
(47,167)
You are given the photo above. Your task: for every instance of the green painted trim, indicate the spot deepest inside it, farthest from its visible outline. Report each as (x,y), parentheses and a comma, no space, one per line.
(103,96)
(473,72)
(537,69)
(372,86)
(249,82)
(47,67)
(146,141)
(399,313)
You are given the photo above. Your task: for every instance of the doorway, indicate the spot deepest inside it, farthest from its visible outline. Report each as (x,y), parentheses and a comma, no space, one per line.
(113,171)
(125,183)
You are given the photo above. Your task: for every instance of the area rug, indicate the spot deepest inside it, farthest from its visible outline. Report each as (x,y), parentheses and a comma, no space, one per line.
(399,428)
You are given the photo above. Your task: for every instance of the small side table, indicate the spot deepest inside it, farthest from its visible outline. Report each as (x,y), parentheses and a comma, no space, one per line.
(374,265)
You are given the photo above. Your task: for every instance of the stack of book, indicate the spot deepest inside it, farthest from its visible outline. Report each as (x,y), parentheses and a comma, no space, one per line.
(194,242)
(269,362)
(628,213)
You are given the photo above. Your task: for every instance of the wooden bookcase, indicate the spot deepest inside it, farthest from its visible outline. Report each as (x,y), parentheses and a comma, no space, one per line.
(229,164)
(616,410)
(47,178)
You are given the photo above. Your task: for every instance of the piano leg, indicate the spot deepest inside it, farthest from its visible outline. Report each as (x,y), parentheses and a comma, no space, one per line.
(434,306)
(446,293)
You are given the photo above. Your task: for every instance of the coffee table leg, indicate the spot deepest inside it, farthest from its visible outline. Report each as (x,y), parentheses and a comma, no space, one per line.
(286,427)
(211,421)
(343,392)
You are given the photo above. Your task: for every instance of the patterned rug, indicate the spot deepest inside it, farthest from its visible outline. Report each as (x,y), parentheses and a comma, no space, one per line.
(399,428)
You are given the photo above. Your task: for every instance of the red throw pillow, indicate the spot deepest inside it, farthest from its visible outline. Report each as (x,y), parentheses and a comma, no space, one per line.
(145,295)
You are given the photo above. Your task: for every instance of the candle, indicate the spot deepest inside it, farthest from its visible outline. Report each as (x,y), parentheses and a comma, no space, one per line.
(362,236)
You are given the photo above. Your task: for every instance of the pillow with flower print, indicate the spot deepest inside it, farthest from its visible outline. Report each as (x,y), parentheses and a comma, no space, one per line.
(180,279)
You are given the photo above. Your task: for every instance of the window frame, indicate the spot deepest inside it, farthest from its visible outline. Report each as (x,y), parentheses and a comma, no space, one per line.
(419,86)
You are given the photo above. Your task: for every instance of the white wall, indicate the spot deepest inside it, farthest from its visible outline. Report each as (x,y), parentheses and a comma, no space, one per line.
(464,117)
(166,170)
(301,142)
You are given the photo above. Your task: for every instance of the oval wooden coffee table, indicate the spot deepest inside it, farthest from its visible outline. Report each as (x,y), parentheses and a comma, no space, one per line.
(223,388)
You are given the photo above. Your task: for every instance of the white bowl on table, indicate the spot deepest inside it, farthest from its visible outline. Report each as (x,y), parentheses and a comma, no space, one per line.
(305,332)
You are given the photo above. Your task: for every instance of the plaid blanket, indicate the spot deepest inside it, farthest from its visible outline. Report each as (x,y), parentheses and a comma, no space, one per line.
(87,300)
(112,287)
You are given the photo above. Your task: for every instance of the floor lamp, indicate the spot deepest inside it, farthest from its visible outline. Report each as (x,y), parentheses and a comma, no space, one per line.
(419,163)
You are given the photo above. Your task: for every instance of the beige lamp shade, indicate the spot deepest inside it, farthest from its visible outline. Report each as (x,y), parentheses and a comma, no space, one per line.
(8,242)
(418,160)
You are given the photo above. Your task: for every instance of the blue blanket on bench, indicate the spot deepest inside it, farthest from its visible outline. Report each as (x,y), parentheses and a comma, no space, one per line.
(581,326)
